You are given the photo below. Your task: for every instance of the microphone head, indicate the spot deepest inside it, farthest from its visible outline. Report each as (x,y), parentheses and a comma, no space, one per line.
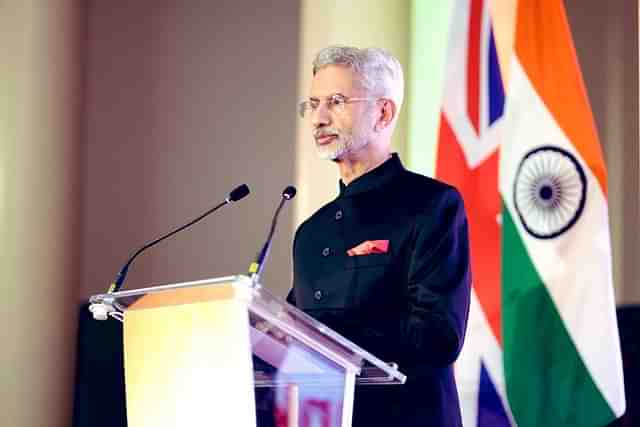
(289,192)
(238,193)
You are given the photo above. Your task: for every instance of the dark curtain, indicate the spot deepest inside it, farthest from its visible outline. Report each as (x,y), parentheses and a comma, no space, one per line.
(99,392)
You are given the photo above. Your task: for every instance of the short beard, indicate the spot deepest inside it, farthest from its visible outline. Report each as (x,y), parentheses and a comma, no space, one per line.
(333,151)
(341,147)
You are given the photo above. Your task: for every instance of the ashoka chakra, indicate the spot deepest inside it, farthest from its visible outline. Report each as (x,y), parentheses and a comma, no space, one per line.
(549,191)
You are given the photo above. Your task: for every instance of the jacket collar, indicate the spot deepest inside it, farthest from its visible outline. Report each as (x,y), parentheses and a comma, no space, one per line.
(374,178)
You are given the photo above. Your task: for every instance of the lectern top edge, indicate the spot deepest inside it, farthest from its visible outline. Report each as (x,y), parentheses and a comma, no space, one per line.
(275,310)
(101,298)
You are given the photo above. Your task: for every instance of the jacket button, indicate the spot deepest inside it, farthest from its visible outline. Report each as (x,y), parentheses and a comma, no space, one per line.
(338,215)
(326,252)
(317,295)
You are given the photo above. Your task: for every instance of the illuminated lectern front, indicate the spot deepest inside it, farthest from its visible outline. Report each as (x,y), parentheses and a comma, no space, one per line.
(197,353)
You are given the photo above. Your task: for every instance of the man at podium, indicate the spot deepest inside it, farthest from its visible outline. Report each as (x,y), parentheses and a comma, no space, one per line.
(386,263)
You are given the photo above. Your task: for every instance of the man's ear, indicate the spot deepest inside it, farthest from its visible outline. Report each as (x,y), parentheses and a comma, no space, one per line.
(387,114)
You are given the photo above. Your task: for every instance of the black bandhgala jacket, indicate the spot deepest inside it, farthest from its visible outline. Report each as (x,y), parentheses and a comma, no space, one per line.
(408,305)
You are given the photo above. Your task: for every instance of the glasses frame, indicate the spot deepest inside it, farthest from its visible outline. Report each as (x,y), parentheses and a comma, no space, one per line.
(335,102)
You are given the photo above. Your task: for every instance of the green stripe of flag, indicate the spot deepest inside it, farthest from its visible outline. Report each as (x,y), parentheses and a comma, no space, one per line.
(543,370)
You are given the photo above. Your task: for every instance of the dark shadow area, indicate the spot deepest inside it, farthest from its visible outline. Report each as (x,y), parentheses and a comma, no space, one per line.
(99,391)
(629,325)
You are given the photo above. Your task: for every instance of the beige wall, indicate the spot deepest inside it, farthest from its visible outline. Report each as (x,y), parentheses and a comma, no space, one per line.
(184,101)
(39,210)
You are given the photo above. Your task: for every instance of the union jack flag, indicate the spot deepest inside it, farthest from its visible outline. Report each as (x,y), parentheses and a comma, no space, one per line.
(468,158)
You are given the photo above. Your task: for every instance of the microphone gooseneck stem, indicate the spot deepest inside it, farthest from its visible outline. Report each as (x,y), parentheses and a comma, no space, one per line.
(236,194)
(117,284)
(256,268)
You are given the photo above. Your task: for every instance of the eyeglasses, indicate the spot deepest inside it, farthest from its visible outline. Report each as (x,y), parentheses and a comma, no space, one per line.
(335,103)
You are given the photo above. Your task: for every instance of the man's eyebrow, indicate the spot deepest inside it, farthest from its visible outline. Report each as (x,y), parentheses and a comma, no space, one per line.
(315,98)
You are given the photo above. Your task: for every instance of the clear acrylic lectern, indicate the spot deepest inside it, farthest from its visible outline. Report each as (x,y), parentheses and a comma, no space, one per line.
(197,354)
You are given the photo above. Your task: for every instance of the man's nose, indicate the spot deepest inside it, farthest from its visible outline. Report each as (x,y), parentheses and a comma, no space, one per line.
(320,116)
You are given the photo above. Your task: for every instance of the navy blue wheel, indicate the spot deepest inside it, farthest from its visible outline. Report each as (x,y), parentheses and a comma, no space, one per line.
(549,191)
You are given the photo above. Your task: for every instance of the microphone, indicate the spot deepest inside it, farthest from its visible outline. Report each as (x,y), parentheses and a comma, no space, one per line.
(235,195)
(256,267)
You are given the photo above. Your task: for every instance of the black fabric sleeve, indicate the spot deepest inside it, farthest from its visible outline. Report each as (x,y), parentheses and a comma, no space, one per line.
(291,296)
(439,284)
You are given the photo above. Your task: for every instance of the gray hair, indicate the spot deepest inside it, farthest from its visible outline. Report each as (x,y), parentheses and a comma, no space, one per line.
(379,71)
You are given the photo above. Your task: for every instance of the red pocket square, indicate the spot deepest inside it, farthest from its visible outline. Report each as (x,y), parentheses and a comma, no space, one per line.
(370,247)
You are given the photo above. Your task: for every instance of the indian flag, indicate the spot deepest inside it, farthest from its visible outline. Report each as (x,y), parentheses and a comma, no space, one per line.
(562,361)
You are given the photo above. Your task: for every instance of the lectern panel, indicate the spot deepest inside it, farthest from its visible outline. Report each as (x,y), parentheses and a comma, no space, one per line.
(188,357)
(189,365)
